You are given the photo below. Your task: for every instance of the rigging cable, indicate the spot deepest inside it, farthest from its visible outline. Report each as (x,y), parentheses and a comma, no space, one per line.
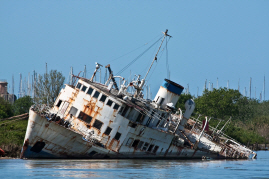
(127,66)
(132,50)
(160,58)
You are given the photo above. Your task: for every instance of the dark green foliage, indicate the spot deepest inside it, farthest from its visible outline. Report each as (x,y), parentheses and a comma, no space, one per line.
(244,136)
(22,105)
(219,103)
(5,109)
(13,133)
(182,99)
(250,118)
(247,108)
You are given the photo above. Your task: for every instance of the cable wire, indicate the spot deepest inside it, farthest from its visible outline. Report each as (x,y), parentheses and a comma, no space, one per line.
(127,66)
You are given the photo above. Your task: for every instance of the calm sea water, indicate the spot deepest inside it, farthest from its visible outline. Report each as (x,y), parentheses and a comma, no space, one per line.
(47,169)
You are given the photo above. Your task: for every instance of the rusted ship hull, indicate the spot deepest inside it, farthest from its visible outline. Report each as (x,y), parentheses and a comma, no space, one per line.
(95,120)
(49,139)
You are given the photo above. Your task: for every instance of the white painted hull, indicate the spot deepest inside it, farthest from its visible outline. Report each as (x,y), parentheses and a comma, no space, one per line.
(50,140)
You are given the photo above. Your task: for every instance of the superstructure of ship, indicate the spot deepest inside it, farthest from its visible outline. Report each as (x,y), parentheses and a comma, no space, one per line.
(94,120)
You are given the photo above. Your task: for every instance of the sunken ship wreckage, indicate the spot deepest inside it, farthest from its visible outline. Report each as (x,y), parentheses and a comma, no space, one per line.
(94,120)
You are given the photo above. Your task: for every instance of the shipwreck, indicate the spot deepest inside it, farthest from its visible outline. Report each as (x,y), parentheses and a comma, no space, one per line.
(95,120)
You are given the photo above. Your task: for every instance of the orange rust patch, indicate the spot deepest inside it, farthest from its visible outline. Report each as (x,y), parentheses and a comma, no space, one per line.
(114,113)
(111,145)
(104,136)
(89,108)
(74,95)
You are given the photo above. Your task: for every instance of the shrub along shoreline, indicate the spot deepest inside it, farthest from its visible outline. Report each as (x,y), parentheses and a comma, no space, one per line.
(249,124)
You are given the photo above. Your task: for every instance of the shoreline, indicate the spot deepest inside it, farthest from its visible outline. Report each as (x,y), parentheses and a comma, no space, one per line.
(2,158)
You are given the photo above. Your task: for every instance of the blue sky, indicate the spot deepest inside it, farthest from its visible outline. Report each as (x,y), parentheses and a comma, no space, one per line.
(228,40)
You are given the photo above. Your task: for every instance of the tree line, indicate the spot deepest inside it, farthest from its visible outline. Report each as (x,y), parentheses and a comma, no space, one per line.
(250,117)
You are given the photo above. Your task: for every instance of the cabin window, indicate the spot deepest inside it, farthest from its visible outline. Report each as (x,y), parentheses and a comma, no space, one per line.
(158,123)
(85,117)
(163,115)
(147,124)
(135,144)
(145,146)
(109,102)
(129,141)
(97,124)
(120,111)
(140,144)
(150,148)
(59,103)
(132,125)
(125,110)
(83,88)
(116,106)
(96,94)
(150,118)
(73,111)
(103,98)
(108,130)
(78,85)
(117,136)
(155,149)
(161,118)
(140,117)
(162,99)
(90,90)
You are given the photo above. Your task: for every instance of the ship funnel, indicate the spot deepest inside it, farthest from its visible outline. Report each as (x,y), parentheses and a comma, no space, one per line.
(168,93)
(189,106)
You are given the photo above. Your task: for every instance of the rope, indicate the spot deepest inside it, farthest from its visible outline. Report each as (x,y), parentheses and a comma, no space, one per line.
(160,58)
(127,66)
(133,50)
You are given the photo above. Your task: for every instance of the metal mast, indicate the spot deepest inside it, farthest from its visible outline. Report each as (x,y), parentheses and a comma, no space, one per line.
(84,73)
(20,87)
(250,88)
(28,85)
(155,58)
(34,84)
(12,90)
(71,76)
